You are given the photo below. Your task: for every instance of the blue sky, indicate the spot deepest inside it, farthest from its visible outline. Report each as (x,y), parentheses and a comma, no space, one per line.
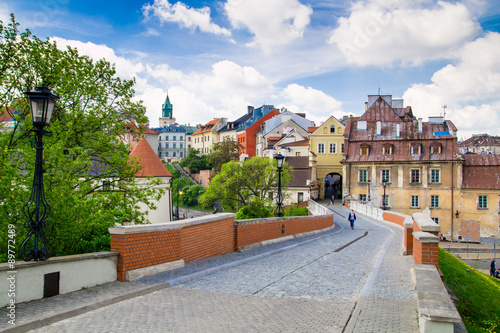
(316,56)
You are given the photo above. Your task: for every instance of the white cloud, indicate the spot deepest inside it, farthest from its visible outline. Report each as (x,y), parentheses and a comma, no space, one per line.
(318,105)
(470,89)
(387,32)
(4,14)
(272,22)
(185,16)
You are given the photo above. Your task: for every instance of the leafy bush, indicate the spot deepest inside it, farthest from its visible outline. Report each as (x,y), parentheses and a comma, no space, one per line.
(191,194)
(255,210)
(296,211)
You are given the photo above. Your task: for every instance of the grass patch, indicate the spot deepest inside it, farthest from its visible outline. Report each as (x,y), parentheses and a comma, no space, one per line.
(478,294)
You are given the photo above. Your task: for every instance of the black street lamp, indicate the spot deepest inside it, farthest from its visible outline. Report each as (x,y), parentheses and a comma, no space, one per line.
(179,193)
(384,199)
(42,102)
(279,163)
(369,193)
(171,200)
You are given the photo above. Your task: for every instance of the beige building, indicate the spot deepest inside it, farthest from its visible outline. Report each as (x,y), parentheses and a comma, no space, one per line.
(419,162)
(208,135)
(327,144)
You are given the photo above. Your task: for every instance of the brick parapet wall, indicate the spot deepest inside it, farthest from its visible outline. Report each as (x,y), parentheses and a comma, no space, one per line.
(202,237)
(207,240)
(473,228)
(408,239)
(258,230)
(394,218)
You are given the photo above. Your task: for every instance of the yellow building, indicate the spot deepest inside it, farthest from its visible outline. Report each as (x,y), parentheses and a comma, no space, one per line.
(207,135)
(327,144)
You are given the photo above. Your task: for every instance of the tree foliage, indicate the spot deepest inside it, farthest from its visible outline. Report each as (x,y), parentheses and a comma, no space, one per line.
(256,209)
(81,151)
(196,162)
(225,151)
(238,184)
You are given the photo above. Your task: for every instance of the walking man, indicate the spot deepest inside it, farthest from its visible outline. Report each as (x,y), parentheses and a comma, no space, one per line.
(493,267)
(352,218)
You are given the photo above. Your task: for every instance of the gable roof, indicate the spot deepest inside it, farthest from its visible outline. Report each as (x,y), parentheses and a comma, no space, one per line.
(331,119)
(380,110)
(207,127)
(149,162)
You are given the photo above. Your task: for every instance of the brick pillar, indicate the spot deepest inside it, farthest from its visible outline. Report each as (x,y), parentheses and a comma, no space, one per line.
(408,238)
(425,248)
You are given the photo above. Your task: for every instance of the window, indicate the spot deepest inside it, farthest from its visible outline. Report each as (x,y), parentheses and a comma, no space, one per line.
(332,129)
(166,153)
(180,145)
(434,201)
(364,151)
(174,138)
(333,148)
(166,145)
(414,201)
(189,138)
(362,176)
(362,197)
(166,137)
(159,138)
(435,176)
(415,176)
(435,219)
(415,150)
(173,154)
(482,202)
(180,154)
(321,148)
(297,154)
(342,148)
(385,174)
(435,150)
(387,150)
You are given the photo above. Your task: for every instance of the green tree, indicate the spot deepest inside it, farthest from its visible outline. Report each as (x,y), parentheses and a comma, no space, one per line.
(239,183)
(82,154)
(196,162)
(225,151)
(256,209)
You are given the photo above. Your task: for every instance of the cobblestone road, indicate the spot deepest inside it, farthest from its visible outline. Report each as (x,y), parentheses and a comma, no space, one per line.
(343,280)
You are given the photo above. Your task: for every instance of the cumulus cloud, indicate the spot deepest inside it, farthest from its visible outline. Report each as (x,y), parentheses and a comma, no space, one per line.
(384,32)
(191,18)
(272,22)
(318,105)
(470,89)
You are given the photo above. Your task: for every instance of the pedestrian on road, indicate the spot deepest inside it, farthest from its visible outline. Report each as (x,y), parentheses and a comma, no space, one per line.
(493,267)
(352,218)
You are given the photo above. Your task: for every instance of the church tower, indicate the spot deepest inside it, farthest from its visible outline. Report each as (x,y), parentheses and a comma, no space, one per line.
(167,110)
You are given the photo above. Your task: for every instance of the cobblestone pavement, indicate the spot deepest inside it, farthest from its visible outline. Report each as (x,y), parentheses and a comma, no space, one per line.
(343,280)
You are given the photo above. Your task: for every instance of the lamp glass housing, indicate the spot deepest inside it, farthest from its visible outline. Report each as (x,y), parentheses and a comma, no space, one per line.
(42,103)
(279,160)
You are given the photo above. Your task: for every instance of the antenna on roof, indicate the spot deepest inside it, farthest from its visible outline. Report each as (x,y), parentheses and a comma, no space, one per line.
(444,110)
(379,89)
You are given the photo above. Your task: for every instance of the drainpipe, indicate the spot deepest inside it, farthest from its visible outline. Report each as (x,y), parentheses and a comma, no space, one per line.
(451,211)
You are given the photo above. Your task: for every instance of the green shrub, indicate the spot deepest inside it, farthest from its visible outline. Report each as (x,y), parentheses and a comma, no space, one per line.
(296,211)
(255,210)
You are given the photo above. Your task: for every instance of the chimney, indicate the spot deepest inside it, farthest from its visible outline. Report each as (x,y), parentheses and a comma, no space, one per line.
(398,130)
(250,109)
(419,125)
(379,127)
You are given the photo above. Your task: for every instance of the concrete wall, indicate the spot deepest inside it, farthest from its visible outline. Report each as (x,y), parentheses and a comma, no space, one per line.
(76,272)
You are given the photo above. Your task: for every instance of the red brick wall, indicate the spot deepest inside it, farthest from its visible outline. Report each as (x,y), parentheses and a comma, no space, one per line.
(145,249)
(258,232)
(203,175)
(474,230)
(425,253)
(394,218)
(207,240)
(408,240)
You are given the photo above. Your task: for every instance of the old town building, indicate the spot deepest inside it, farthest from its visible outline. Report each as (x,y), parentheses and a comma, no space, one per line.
(419,161)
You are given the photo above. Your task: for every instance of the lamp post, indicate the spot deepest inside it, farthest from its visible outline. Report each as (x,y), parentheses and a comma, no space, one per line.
(42,102)
(457,214)
(279,163)
(171,201)
(384,199)
(179,193)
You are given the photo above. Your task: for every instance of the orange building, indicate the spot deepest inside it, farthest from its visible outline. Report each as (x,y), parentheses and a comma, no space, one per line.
(247,137)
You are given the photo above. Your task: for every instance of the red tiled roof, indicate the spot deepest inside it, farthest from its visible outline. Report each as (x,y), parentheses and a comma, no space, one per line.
(481,140)
(132,128)
(207,127)
(150,163)
(295,143)
(481,172)
(312,129)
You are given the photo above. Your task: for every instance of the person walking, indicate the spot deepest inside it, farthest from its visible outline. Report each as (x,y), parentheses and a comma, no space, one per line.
(493,267)
(352,218)
(332,201)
